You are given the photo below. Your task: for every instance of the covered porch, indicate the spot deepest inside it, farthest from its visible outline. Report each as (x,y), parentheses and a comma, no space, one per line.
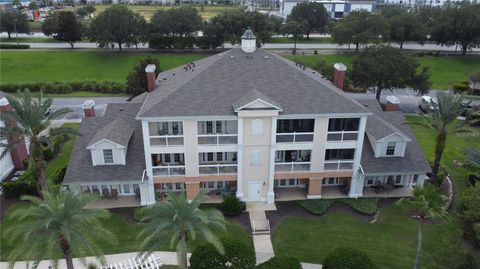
(398,191)
(121,201)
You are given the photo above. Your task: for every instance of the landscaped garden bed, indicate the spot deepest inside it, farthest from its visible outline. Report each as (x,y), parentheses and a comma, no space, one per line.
(367,206)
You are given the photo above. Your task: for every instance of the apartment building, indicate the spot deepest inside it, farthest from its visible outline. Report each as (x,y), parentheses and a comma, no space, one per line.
(249,123)
(336,9)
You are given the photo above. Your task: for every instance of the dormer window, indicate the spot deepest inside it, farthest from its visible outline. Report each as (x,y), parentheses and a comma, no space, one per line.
(107,156)
(391,148)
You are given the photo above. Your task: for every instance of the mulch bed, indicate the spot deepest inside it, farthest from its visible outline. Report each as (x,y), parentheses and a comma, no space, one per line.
(125,212)
(242,219)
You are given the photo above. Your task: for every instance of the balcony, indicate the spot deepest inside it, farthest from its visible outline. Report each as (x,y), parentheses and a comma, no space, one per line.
(292,167)
(340,136)
(169,170)
(338,165)
(217,169)
(167,140)
(217,139)
(295,137)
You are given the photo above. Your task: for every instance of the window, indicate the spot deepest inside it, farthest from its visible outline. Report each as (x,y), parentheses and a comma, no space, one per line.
(126,188)
(209,127)
(179,186)
(220,184)
(167,158)
(257,127)
(391,148)
(369,180)
(339,154)
(176,157)
(219,127)
(343,124)
(255,157)
(211,185)
(175,128)
(107,156)
(398,179)
(330,181)
(283,182)
(136,188)
(210,156)
(290,126)
(292,182)
(219,156)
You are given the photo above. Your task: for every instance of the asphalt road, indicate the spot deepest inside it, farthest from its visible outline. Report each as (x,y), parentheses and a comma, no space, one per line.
(407,46)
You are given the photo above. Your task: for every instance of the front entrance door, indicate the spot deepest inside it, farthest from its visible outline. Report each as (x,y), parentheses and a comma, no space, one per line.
(254,191)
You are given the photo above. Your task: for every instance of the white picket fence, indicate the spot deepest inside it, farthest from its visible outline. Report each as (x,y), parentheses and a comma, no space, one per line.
(149,262)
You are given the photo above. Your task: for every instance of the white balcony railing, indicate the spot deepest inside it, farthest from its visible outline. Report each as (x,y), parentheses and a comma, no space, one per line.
(217,139)
(169,170)
(292,167)
(295,137)
(217,169)
(341,136)
(338,165)
(166,140)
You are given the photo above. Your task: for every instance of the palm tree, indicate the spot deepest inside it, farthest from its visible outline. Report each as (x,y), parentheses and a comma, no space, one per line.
(177,221)
(444,122)
(428,203)
(32,118)
(57,225)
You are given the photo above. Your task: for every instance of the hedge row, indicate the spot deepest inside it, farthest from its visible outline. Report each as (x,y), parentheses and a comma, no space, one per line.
(67,87)
(13,46)
(26,184)
(177,42)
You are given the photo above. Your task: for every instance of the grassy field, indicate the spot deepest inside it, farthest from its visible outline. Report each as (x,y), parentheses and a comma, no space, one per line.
(392,240)
(206,12)
(445,71)
(49,66)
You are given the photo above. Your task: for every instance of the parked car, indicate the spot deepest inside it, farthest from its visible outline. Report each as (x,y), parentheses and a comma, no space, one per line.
(428,103)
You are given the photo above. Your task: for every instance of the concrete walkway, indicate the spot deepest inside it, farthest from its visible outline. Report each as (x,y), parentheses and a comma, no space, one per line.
(165,257)
(261,236)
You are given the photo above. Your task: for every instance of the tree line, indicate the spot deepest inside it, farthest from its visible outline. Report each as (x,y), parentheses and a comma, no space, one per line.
(453,24)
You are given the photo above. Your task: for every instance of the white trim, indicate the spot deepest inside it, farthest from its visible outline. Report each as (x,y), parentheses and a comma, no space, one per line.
(261,101)
(92,146)
(314,196)
(233,117)
(405,138)
(271,170)
(240,159)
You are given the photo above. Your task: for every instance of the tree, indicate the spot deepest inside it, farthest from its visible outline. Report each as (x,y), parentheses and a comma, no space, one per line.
(63,26)
(177,221)
(385,67)
(57,225)
(407,27)
(360,27)
(181,21)
(458,23)
(314,14)
(213,34)
(117,24)
(137,79)
(31,118)
(428,203)
(295,29)
(11,21)
(444,122)
(33,5)
(90,8)
(469,213)
(82,12)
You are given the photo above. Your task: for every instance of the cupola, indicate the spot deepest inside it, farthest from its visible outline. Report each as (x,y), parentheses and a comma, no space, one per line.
(249,42)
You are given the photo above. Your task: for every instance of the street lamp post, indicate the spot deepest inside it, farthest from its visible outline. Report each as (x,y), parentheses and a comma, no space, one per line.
(15,28)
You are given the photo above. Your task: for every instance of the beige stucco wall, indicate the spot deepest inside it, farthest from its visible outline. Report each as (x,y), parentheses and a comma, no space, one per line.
(256,172)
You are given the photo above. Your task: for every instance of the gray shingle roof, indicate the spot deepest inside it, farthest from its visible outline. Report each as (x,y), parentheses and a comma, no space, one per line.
(80,168)
(414,159)
(119,131)
(376,126)
(216,84)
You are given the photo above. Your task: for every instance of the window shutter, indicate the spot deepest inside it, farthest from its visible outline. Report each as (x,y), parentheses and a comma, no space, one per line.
(255,156)
(257,127)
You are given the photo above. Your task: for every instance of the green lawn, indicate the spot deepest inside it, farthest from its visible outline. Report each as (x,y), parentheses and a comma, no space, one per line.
(49,66)
(445,71)
(63,157)
(206,12)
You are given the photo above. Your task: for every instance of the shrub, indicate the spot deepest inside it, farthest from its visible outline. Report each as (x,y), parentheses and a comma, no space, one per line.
(48,153)
(231,206)
(347,258)
(67,87)
(315,52)
(470,215)
(57,177)
(280,263)
(25,185)
(454,256)
(460,87)
(237,255)
(13,46)
(473,118)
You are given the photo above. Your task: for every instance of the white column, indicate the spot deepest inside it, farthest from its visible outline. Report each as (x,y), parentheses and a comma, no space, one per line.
(356,186)
(148,195)
(271,193)
(421,180)
(240,159)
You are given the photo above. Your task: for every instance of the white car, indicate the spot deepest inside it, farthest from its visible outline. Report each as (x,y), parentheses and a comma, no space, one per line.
(428,103)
